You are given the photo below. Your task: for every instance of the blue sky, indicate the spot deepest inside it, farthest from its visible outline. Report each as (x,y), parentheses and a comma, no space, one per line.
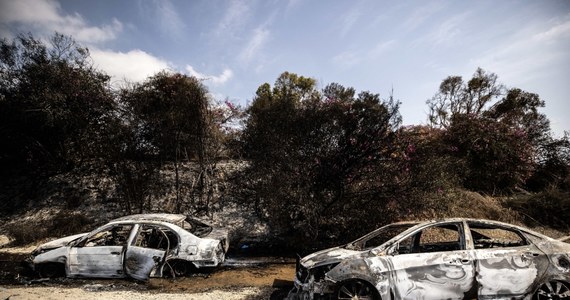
(409,46)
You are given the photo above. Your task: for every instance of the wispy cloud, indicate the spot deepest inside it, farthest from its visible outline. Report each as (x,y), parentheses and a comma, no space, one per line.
(235,16)
(254,45)
(533,52)
(226,75)
(352,58)
(421,14)
(168,19)
(348,21)
(293,3)
(555,33)
(446,33)
(45,17)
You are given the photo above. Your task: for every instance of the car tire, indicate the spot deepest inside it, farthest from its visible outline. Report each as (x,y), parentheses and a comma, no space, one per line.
(178,268)
(51,270)
(553,289)
(356,289)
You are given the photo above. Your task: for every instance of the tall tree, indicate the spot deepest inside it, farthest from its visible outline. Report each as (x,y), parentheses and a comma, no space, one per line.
(173,117)
(500,136)
(455,97)
(325,158)
(53,102)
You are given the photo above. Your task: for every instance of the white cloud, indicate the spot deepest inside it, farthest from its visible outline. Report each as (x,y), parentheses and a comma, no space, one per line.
(30,11)
(252,48)
(226,75)
(134,66)
(44,17)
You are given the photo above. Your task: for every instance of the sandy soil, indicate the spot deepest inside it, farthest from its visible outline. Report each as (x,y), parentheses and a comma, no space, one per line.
(51,293)
(261,282)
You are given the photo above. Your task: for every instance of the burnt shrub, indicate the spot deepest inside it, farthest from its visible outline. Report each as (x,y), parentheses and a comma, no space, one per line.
(26,233)
(59,225)
(321,164)
(550,207)
(65,223)
(496,158)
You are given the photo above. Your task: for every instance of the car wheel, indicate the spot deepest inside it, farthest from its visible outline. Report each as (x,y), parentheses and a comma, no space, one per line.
(178,268)
(553,290)
(51,270)
(356,290)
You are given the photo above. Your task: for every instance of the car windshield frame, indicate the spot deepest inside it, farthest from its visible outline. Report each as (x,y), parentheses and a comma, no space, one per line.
(359,243)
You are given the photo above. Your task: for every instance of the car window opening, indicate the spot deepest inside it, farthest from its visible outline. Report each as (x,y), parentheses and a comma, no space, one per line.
(114,236)
(485,236)
(155,237)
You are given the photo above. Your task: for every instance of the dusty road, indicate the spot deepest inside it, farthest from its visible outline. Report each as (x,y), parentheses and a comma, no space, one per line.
(240,279)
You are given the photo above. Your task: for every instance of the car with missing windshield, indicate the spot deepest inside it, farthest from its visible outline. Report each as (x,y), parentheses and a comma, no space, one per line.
(443,259)
(136,246)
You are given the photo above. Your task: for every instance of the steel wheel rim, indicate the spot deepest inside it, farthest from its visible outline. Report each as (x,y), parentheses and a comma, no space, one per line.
(180,269)
(355,290)
(553,290)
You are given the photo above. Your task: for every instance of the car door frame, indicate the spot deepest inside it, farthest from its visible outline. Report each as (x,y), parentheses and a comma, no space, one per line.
(498,268)
(143,262)
(98,261)
(412,284)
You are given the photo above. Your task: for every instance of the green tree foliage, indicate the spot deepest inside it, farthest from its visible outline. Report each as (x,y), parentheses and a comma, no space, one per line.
(52,103)
(320,163)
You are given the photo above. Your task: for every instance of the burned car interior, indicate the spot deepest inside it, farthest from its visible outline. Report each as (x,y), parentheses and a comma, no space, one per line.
(114,236)
(485,236)
(156,237)
(433,239)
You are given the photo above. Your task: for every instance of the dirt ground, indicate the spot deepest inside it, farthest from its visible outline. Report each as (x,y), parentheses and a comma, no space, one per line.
(242,278)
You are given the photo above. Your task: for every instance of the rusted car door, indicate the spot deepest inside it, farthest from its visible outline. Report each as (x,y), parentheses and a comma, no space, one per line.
(433,263)
(507,264)
(148,250)
(100,254)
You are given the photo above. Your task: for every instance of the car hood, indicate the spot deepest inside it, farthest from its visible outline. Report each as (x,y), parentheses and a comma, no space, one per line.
(57,243)
(330,256)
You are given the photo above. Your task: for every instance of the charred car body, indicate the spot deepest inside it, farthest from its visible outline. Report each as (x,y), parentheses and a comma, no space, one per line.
(444,259)
(137,246)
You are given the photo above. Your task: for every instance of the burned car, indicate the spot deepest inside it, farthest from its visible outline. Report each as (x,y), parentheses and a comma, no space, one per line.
(444,259)
(137,246)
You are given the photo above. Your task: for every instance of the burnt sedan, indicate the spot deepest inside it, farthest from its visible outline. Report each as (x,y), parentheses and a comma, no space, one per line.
(444,259)
(137,246)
